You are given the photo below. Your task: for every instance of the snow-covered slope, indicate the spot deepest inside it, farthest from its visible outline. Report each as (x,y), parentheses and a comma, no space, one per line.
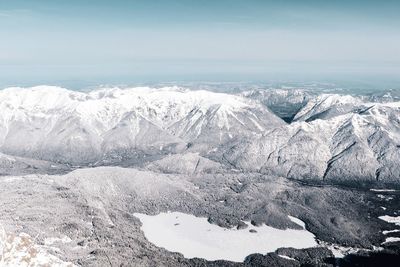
(11,165)
(188,163)
(363,145)
(80,128)
(334,137)
(326,106)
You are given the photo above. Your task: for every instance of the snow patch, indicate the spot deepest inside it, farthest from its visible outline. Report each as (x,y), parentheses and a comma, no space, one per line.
(20,250)
(387,198)
(51,240)
(286,257)
(390,231)
(341,251)
(391,240)
(391,219)
(382,190)
(297,221)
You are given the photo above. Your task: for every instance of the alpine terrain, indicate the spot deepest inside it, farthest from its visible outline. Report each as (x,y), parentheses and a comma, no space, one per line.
(171,176)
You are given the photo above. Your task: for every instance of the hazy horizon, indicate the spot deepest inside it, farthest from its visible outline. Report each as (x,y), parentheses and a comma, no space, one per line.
(87,43)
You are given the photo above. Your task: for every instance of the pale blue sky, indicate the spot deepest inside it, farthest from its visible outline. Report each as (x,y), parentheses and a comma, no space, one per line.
(45,41)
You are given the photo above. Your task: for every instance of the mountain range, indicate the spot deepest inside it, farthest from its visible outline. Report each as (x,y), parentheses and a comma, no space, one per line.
(291,133)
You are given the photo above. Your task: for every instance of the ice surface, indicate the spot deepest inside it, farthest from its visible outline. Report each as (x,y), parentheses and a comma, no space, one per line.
(196,237)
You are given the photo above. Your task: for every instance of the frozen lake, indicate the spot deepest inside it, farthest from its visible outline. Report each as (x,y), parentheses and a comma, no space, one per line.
(196,237)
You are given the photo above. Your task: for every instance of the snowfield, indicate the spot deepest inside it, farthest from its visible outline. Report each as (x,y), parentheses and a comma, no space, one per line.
(196,238)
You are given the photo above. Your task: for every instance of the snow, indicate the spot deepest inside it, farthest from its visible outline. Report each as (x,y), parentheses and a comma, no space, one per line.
(391,219)
(195,237)
(20,250)
(326,102)
(341,251)
(89,125)
(382,190)
(82,128)
(51,240)
(384,197)
(286,257)
(257,124)
(111,103)
(338,123)
(297,221)
(391,240)
(390,231)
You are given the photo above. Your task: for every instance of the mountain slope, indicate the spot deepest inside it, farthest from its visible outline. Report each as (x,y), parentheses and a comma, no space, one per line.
(333,138)
(327,106)
(78,128)
(360,146)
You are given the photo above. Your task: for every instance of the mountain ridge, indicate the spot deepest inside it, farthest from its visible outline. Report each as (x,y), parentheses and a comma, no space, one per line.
(333,137)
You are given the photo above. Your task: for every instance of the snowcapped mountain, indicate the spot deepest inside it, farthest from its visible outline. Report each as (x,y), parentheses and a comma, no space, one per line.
(357,146)
(384,96)
(326,106)
(333,137)
(56,124)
